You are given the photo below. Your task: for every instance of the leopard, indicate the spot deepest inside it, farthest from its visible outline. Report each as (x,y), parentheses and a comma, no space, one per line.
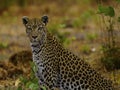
(58,67)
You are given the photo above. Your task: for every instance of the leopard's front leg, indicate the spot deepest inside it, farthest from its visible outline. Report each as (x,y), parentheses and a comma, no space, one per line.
(47,80)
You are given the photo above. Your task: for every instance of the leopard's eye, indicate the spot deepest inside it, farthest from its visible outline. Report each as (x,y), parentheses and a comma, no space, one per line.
(40,28)
(29,29)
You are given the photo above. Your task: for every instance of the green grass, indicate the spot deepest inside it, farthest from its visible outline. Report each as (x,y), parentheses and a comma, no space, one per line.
(91,36)
(83,18)
(3,45)
(85,49)
(32,81)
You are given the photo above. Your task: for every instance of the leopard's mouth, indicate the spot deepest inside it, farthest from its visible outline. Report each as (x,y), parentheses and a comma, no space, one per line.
(33,40)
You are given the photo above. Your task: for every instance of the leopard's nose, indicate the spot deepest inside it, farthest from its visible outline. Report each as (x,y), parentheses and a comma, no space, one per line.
(34,37)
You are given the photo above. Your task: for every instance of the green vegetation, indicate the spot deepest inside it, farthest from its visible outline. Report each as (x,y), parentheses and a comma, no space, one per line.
(110,46)
(91,36)
(86,49)
(83,18)
(32,81)
(62,36)
(3,45)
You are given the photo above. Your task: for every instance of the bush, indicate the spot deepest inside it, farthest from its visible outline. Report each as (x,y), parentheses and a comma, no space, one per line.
(30,82)
(110,46)
(111,58)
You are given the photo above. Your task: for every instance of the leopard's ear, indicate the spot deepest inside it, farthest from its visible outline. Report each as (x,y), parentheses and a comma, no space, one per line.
(25,20)
(44,19)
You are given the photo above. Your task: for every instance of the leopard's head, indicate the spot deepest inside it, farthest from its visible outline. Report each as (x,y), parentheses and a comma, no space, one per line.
(35,28)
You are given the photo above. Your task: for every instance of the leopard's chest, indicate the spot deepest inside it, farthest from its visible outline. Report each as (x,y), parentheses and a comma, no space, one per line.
(38,60)
(40,67)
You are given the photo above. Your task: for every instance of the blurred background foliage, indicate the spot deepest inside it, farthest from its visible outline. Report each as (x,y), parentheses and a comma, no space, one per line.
(89,28)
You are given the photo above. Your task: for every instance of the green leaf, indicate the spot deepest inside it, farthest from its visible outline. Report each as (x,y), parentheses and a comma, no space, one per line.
(118,19)
(111,11)
(19,88)
(33,86)
(107,11)
(34,79)
(43,88)
(34,67)
(101,9)
(23,79)
(28,84)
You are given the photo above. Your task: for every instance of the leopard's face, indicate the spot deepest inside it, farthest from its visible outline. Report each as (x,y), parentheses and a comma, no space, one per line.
(35,28)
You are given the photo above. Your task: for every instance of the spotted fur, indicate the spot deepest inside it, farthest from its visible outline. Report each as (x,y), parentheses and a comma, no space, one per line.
(58,67)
